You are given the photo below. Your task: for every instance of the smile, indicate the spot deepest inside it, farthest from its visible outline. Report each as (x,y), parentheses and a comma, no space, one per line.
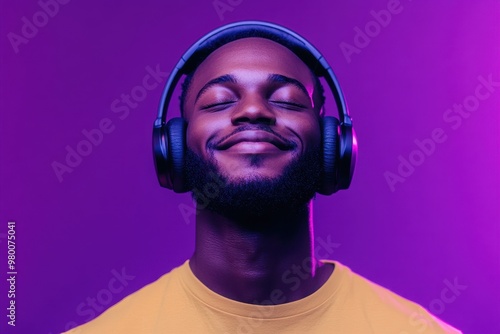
(255,141)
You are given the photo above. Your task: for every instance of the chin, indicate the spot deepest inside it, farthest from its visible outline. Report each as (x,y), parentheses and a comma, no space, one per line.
(245,175)
(236,166)
(256,191)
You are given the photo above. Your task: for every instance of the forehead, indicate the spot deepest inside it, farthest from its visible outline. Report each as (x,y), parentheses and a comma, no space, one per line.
(253,54)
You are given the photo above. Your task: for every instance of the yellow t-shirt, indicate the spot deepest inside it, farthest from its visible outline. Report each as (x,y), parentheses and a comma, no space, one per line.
(347,303)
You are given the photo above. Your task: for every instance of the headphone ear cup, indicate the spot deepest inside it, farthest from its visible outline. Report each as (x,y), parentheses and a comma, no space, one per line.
(176,133)
(160,154)
(330,154)
(348,151)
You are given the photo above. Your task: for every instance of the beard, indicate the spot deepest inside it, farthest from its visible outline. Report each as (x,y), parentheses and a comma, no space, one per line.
(255,198)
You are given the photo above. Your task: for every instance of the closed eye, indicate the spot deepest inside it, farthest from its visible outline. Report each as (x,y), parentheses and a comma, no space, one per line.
(289,105)
(216,105)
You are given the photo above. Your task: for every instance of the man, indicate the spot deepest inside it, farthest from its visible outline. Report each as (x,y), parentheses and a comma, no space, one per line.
(253,110)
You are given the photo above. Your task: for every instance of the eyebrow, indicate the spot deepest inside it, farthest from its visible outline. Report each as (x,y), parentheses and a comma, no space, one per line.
(272,78)
(219,80)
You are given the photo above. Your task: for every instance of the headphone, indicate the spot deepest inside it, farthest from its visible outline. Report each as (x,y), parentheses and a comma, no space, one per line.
(339,145)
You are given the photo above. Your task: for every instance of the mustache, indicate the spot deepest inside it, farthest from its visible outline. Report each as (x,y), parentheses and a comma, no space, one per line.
(253,127)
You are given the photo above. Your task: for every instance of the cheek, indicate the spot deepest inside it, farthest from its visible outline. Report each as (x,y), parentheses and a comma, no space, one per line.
(195,137)
(308,129)
(315,132)
(199,131)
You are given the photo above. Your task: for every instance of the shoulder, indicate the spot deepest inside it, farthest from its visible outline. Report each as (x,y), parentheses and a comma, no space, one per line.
(137,308)
(382,307)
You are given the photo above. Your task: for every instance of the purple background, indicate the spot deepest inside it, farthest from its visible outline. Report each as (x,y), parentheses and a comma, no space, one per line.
(441,224)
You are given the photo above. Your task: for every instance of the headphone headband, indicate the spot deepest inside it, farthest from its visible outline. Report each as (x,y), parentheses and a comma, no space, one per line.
(200,50)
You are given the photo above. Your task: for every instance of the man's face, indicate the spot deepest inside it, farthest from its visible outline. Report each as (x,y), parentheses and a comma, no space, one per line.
(250,110)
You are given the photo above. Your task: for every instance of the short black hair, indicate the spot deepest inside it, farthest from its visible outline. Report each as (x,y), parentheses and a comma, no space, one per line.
(184,88)
(319,92)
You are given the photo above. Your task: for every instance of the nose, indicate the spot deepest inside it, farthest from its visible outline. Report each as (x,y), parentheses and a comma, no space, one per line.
(253,110)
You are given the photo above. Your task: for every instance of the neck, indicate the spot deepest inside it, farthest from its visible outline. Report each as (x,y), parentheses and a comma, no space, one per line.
(258,260)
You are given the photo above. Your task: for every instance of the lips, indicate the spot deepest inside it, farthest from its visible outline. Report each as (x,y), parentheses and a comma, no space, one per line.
(254,137)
